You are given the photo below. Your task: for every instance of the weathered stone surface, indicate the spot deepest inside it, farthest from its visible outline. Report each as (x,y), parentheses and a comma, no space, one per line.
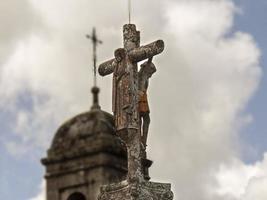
(86,133)
(147,51)
(131,137)
(136,191)
(85,154)
(125,95)
(131,37)
(130,118)
(125,76)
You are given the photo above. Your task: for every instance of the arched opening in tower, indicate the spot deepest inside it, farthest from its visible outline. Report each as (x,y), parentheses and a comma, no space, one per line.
(76,196)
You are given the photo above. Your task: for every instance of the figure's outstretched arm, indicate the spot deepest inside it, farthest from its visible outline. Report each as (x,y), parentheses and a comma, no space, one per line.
(107,67)
(147,51)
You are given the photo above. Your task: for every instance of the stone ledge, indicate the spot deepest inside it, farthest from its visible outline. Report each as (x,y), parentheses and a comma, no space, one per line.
(136,191)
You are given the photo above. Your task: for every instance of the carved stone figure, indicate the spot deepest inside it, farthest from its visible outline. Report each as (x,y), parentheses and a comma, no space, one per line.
(146,71)
(131,112)
(125,76)
(122,90)
(121,95)
(126,100)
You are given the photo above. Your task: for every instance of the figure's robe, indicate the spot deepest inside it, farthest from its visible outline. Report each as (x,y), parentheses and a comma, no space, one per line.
(124,98)
(121,96)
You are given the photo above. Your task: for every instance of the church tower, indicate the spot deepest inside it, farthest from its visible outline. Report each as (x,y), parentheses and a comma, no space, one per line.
(84,155)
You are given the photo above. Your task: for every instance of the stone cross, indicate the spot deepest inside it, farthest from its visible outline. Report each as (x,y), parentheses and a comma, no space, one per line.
(125,93)
(95,42)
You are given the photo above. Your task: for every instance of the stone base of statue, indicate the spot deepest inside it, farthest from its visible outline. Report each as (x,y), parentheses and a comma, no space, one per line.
(144,190)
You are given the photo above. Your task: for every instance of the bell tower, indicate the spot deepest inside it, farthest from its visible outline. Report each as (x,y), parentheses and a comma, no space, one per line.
(84,155)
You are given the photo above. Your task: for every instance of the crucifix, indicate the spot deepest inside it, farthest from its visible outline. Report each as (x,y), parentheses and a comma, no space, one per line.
(95,42)
(127,83)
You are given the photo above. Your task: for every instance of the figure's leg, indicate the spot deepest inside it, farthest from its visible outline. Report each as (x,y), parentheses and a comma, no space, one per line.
(142,128)
(146,122)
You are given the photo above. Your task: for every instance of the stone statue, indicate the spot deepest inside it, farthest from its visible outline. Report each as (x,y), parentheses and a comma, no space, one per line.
(131,113)
(146,71)
(129,101)
(125,77)
(122,94)
(122,91)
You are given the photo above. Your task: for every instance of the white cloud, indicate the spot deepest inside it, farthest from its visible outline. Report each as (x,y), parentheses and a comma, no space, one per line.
(18,19)
(42,193)
(205,78)
(243,182)
(257,189)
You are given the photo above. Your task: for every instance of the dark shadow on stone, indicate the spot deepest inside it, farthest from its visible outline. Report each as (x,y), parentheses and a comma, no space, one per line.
(77,196)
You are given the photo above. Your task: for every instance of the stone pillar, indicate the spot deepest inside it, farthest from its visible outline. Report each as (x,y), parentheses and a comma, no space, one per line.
(131,40)
(131,138)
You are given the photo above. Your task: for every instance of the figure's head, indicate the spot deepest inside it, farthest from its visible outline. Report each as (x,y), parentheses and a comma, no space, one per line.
(151,70)
(148,68)
(119,54)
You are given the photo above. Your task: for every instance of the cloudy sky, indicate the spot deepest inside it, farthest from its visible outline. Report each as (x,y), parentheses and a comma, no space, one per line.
(208,134)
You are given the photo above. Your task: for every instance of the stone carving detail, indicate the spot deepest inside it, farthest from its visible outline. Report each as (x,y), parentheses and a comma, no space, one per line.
(141,191)
(146,71)
(125,76)
(131,113)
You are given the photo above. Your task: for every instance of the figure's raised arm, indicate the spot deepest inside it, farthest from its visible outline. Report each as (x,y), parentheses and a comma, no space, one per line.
(147,51)
(108,67)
